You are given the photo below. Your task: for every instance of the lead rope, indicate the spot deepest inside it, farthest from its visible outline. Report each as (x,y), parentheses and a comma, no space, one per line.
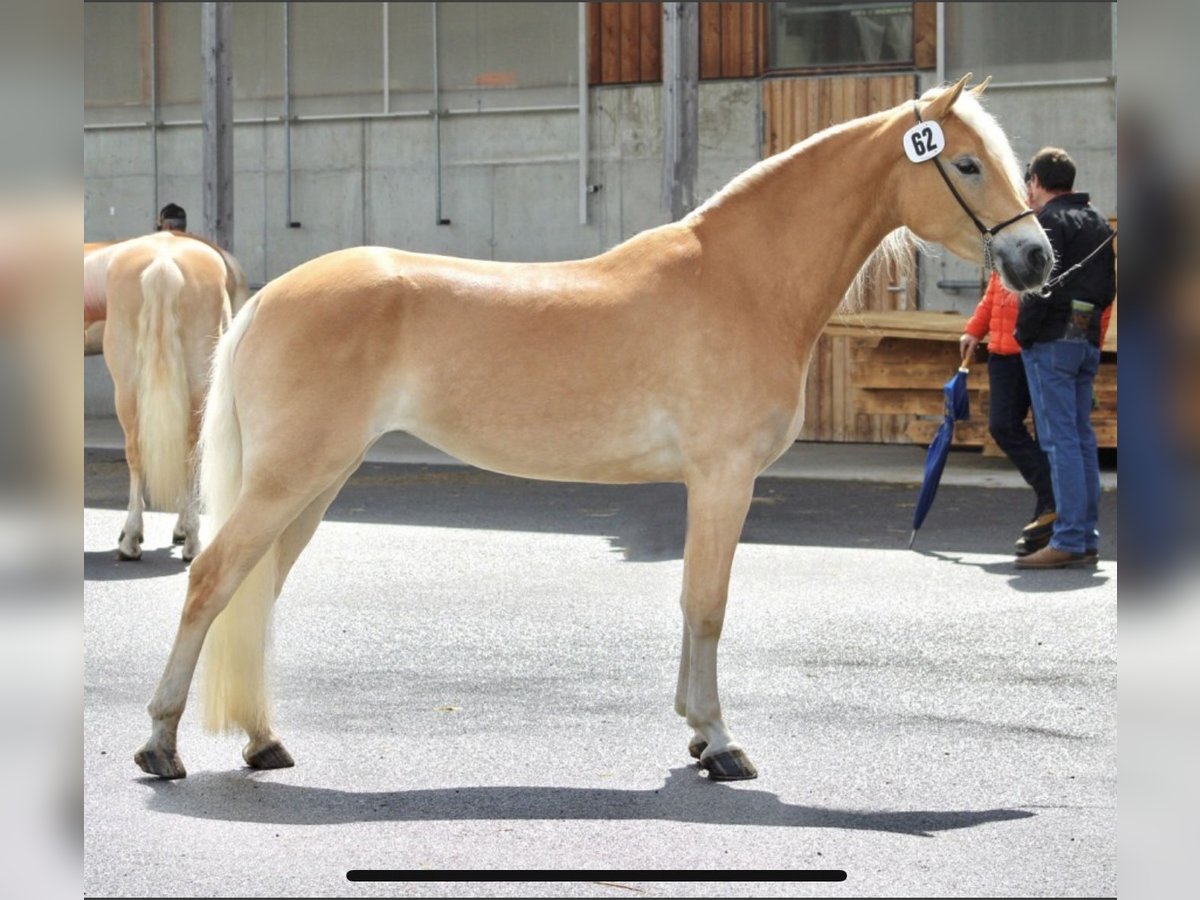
(1044,290)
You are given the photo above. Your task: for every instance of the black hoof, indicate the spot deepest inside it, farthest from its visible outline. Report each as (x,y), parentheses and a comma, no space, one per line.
(121,554)
(163,764)
(272,756)
(178,538)
(696,747)
(729,765)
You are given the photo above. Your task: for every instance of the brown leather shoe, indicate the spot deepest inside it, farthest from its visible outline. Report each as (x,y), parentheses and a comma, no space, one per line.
(1053,558)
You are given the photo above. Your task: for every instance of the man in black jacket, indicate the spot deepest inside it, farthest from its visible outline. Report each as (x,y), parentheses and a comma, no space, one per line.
(172,217)
(1059,334)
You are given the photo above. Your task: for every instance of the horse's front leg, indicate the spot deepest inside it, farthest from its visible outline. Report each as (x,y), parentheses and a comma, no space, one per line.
(717,510)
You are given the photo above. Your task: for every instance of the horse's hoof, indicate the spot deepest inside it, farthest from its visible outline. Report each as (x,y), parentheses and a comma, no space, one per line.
(272,756)
(178,537)
(729,765)
(696,748)
(129,557)
(163,763)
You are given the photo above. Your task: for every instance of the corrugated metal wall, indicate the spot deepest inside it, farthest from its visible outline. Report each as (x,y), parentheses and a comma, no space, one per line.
(795,108)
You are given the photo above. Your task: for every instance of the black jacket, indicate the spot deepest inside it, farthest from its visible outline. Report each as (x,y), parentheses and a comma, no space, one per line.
(1075,229)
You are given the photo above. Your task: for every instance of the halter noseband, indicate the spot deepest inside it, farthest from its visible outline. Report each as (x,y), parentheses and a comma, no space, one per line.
(986,233)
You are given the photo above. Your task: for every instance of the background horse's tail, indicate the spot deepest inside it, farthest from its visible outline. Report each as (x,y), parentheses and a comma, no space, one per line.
(163,398)
(235,649)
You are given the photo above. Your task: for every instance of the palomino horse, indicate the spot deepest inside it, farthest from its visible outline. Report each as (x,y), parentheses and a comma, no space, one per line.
(679,355)
(94,307)
(165,302)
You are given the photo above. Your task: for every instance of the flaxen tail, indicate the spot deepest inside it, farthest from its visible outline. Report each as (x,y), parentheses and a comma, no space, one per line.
(163,397)
(235,649)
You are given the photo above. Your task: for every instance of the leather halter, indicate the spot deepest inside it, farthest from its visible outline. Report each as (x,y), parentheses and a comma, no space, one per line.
(986,233)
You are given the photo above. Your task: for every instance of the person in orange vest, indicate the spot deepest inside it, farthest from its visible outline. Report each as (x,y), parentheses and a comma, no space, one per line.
(1009,403)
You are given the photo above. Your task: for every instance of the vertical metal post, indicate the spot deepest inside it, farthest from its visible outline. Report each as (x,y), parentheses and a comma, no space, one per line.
(387,61)
(681,78)
(437,120)
(584,112)
(941,43)
(287,114)
(154,102)
(362,184)
(215,40)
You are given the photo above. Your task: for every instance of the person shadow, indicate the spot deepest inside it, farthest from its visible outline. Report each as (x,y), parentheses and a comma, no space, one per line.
(1033,581)
(686,796)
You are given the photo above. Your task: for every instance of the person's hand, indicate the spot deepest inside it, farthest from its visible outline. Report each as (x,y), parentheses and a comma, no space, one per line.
(966,346)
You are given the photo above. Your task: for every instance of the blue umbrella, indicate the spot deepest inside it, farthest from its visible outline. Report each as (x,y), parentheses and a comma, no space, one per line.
(957,407)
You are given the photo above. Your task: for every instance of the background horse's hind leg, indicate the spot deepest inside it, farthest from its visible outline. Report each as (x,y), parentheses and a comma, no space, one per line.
(129,544)
(717,508)
(187,526)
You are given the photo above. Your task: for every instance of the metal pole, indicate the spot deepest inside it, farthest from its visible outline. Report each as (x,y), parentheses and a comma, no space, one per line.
(584,112)
(437,121)
(387,62)
(941,43)
(215,39)
(681,71)
(287,115)
(154,99)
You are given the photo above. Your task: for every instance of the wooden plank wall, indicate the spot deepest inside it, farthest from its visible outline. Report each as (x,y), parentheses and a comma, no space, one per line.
(925,35)
(625,41)
(795,108)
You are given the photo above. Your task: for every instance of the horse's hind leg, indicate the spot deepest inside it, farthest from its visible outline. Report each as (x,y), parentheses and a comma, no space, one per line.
(256,523)
(129,544)
(265,751)
(187,526)
(717,508)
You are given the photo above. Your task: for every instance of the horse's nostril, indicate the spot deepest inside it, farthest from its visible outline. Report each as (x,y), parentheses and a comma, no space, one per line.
(1036,258)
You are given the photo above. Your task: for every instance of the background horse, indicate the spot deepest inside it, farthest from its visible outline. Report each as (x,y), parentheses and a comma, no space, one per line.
(166,302)
(679,355)
(95,306)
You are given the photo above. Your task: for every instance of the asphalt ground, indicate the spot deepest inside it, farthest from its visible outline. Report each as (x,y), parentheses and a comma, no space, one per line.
(476,672)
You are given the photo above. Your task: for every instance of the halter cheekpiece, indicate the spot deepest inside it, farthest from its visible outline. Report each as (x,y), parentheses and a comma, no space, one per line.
(986,233)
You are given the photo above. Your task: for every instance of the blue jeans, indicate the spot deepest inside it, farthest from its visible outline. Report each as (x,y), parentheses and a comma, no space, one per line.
(1008,404)
(1061,375)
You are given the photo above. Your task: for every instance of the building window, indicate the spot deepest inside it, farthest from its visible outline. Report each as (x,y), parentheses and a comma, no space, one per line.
(809,34)
(1029,41)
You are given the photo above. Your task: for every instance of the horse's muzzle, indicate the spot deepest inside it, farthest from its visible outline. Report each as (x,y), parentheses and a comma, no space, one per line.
(1024,264)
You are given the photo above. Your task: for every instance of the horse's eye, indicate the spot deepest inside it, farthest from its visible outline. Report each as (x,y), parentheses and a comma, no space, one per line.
(967,166)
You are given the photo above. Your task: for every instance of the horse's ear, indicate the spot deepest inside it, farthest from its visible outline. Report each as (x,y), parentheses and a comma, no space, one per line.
(981,87)
(940,105)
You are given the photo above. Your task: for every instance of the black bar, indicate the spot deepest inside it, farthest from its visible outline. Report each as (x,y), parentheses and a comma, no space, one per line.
(654,875)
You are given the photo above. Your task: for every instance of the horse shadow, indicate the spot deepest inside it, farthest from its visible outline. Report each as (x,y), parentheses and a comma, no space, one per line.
(686,796)
(103,565)
(641,522)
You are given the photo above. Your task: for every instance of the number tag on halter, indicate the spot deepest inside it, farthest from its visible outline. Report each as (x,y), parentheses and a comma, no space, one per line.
(924,141)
